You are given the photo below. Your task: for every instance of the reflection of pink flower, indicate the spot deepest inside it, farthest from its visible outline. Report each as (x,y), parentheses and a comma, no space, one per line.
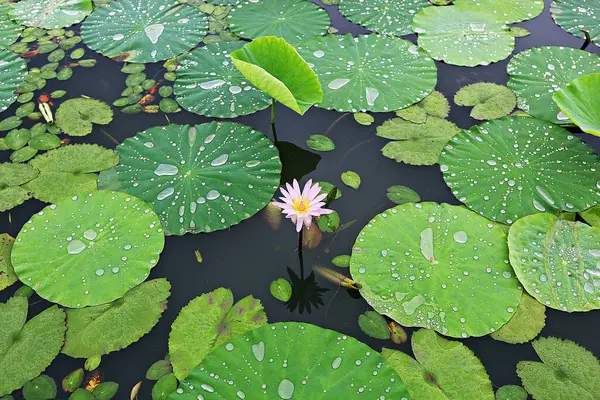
(299,206)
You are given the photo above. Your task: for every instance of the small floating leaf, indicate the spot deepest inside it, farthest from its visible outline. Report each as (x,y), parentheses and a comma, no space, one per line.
(351,179)
(401,194)
(489,100)
(374,324)
(511,392)
(164,387)
(159,369)
(92,362)
(57,94)
(363,118)
(76,116)
(397,333)
(320,143)
(73,380)
(329,222)
(341,261)
(168,105)
(281,289)
(41,388)
(105,390)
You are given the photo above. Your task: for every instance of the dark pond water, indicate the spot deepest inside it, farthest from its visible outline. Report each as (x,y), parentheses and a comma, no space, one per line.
(247,257)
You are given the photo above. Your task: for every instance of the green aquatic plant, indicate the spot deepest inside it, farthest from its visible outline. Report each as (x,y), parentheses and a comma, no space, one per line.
(12,178)
(400,194)
(386,17)
(102,244)
(489,100)
(7,273)
(281,289)
(50,14)
(428,264)
(13,74)
(578,17)
(508,11)
(374,324)
(526,324)
(320,143)
(435,105)
(580,102)
(40,388)
(76,117)
(278,361)
(351,179)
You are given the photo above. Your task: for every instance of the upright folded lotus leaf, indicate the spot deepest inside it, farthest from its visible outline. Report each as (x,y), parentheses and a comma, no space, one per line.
(580,102)
(12,176)
(464,36)
(27,348)
(209,84)
(591,216)
(443,369)
(100,245)
(9,29)
(208,322)
(577,16)
(102,329)
(567,371)
(557,261)
(386,17)
(293,20)
(13,72)
(76,117)
(536,74)
(369,72)
(7,273)
(199,178)
(292,360)
(525,325)
(512,167)
(276,68)
(144,31)
(436,266)
(50,14)
(69,170)
(508,11)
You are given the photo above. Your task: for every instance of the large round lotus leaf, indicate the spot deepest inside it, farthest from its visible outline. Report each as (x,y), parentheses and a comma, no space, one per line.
(13,71)
(9,29)
(209,84)
(292,20)
(463,35)
(536,74)
(275,67)
(143,31)
(89,249)
(375,73)
(575,16)
(512,167)
(509,11)
(201,178)
(27,349)
(387,17)
(557,261)
(292,360)
(436,266)
(580,101)
(457,372)
(99,330)
(51,14)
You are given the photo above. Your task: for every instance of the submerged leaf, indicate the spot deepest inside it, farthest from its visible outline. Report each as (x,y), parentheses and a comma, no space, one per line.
(274,67)
(207,322)
(75,117)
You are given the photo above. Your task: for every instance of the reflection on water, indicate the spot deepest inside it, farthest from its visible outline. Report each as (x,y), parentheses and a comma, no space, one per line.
(296,162)
(306,292)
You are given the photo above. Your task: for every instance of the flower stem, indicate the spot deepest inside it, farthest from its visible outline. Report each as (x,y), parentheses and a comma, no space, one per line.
(273,121)
(300,255)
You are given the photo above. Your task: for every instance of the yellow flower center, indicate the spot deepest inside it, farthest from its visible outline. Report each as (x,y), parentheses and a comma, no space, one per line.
(301,205)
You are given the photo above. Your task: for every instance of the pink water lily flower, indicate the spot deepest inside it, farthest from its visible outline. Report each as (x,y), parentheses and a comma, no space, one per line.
(302,206)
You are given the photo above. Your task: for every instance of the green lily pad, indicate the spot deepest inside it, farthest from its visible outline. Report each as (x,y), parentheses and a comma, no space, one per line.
(351,179)
(50,14)
(363,118)
(437,266)
(102,244)
(557,261)
(143,31)
(7,273)
(318,364)
(436,105)
(489,100)
(281,289)
(463,35)
(387,17)
(374,324)
(443,369)
(537,73)
(580,102)
(69,170)
(13,73)
(39,341)
(293,20)
(198,178)
(525,325)
(374,73)
(76,116)
(512,167)
(105,328)
(12,176)
(416,144)
(208,322)
(41,388)
(400,194)
(9,29)
(276,68)
(568,371)
(209,84)
(509,11)
(575,16)
(320,143)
